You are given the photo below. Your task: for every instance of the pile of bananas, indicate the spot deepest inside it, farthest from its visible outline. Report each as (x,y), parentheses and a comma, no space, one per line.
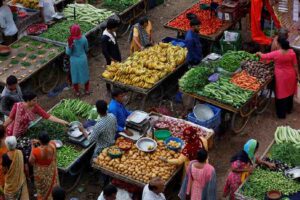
(144,68)
(33,4)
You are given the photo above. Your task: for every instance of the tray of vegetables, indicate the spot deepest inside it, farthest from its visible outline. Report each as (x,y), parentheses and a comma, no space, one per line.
(285,154)
(26,58)
(69,110)
(87,13)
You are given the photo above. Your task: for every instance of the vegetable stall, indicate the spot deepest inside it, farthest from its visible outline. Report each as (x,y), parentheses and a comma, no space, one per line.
(284,152)
(137,164)
(27,58)
(236,82)
(146,70)
(211,28)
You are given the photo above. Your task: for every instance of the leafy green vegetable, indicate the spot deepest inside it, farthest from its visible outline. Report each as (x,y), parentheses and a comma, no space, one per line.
(25,64)
(41,52)
(226,92)
(195,79)
(61,31)
(231,60)
(66,155)
(32,56)
(262,181)
(15,46)
(30,49)
(21,55)
(287,153)
(119,5)
(14,62)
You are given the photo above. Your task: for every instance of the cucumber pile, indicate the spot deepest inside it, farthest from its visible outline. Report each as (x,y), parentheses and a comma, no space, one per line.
(285,134)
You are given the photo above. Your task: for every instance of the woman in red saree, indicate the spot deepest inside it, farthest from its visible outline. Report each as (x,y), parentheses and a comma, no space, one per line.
(43,160)
(23,113)
(3,150)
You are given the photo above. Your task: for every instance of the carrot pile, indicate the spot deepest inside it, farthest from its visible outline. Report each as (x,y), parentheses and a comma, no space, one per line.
(245,81)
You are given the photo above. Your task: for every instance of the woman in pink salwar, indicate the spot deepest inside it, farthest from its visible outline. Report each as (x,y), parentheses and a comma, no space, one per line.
(23,113)
(200,182)
(286,75)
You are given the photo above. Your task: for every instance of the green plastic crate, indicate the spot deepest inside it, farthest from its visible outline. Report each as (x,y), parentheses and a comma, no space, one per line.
(233,46)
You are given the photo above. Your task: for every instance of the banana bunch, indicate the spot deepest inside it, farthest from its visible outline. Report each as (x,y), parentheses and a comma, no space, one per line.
(145,68)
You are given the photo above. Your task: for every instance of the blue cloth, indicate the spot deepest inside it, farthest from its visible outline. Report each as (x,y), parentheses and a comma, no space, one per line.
(194,47)
(120,112)
(78,61)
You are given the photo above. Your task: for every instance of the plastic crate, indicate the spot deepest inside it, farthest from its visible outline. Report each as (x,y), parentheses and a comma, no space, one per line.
(174,41)
(212,123)
(233,46)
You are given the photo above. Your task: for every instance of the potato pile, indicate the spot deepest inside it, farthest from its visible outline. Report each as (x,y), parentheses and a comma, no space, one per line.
(143,69)
(139,165)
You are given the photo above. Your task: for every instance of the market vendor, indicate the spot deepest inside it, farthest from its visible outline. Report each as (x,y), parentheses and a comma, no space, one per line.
(242,164)
(104,131)
(23,113)
(193,143)
(286,75)
(154,190)
(140,36)
(47,9)
(116,107)
(193,43)
(11,94)
(7,25)
(282,34)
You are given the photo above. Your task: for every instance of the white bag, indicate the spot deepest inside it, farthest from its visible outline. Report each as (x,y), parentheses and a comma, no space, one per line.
(297,95)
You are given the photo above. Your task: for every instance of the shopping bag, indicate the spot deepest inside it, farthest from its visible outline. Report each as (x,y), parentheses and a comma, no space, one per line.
(297,95)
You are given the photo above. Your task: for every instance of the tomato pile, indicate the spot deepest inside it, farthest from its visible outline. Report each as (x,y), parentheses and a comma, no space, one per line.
(209,24)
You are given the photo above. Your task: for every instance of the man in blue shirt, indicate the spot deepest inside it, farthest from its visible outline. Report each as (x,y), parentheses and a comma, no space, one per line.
(193,44)
(117,108)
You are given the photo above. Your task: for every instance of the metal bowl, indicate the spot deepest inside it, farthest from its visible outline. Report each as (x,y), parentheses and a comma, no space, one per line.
(146,144)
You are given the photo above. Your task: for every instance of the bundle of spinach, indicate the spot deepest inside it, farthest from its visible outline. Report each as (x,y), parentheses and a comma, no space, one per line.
(195,79)
(119,5)
(287,153)
(231,60)
(262,181)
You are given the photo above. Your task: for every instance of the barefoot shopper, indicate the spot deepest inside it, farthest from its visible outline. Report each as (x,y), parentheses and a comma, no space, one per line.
(77,49)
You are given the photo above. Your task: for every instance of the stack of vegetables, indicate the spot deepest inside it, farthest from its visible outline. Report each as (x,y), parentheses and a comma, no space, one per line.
(33,4)
(119,5)
(138,165)
(263,72)
(210,24)
(69,110)
(145,68)
(87,13)
(286,153)
(61,30)
(245,81)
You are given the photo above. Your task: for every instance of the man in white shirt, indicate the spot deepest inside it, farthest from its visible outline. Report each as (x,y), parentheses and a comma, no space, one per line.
(47,9)
(154,190)
(7,24)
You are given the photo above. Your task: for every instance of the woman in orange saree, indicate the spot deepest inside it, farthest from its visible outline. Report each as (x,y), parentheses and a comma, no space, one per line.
(3,150)
(43,160)
(15,185)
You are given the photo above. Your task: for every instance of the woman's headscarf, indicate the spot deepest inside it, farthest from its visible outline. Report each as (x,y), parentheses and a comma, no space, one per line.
(11,142)
(75,34)
(247,154)
(193,143)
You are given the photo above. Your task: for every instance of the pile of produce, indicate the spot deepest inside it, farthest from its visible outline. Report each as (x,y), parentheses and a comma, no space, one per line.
(195,79)
(285,134)
(210,24)
(119,5)
(66,155)
(77,107)
(145,68)
(262,181)
(177,126)
(87,13)
(245,81)
(139,165)
(279,165)
(231,60)
(61,30)
(33,4)
(226,92)
(287,153)
(27,56)
(263,72)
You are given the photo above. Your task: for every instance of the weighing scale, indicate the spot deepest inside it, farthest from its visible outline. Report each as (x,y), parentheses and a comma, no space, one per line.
(77,137)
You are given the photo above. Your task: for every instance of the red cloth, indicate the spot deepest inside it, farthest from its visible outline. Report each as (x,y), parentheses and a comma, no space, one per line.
(285,72)
(22,116)
(75,34)
(193,143)
(257,34)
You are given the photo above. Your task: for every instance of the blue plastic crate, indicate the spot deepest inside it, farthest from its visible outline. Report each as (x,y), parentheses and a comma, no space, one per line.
(174,41)
(212,123)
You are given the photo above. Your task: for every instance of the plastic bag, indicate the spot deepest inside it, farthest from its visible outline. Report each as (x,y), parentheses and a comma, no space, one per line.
(297,95)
